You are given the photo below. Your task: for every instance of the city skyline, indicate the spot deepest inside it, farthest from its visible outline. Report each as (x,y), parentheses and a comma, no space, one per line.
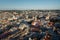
(29,4)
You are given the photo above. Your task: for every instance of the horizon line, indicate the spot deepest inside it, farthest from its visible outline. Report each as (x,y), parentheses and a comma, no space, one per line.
(31,9)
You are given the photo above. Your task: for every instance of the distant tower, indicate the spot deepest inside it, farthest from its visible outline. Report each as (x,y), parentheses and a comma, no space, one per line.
(35,18)
(48,16)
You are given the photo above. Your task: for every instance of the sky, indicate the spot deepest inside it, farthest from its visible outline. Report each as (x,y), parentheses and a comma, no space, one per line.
(29,4)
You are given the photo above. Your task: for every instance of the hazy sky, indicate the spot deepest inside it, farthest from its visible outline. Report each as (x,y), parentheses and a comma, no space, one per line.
(29,4)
